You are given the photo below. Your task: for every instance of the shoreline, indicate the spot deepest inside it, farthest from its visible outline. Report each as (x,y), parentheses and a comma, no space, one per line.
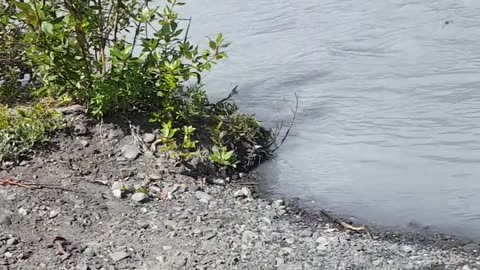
(74,221)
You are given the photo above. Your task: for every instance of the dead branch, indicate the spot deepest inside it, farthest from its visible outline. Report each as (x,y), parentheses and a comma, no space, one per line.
(294,112)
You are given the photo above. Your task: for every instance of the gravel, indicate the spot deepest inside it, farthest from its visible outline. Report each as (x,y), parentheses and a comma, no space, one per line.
(198,228)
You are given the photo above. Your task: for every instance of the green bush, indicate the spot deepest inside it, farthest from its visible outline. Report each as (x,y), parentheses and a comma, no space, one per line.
(115,56)
(24,127)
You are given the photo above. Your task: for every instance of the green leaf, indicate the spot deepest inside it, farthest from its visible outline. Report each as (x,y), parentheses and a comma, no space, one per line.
(212,45)
(219,38)
(23,6)
(47,28)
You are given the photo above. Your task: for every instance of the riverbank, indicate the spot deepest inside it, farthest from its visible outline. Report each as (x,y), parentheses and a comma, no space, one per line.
(76,205)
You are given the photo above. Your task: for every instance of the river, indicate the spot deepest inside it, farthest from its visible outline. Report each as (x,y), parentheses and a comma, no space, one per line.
(388,128)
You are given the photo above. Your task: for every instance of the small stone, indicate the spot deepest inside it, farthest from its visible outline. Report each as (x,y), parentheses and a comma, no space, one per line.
(306,233)
(117,193)
(12,241)
(377,262)
(407,249)
(53,213)
(161,259)
(170,224)
(244,192)
(82,266)
(193,187)
(23,163)
(148,137)
(248,236)
(89,252)
(119,255)
(115,134)
(286,251)
(130,152)
(154,190)
(5,220)
(466,267)
(7,255)
(22,211)
(203,197)
(118,185)
(84,143)
(322,243)
(471,247)
(167,247)
(139,197)
(80,129)
(278,203)
(155,177)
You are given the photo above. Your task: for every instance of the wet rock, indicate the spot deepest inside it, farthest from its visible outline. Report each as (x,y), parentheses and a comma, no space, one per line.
(148,137)
(5,220)
(471,247)
(278,203)
(140,197)
(203,196)
(243,193)
(119,255)
(130,152)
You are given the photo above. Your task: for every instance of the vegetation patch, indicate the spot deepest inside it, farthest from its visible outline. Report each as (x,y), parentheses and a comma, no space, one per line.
(119,56)
(24,127)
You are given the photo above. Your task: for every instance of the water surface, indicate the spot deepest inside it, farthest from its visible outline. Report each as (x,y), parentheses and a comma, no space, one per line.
(388,128)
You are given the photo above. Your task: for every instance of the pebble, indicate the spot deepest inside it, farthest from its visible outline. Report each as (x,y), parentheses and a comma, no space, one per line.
(118,185)
(84,143)
(306,233)
(80,129)
(244,192)
(248,236)
(278,203)
(22,211)
(148,137)
(5,220)
(119,255)
(155,177)
(203,196)
(12,241)
(407,249)
(53,213)
(466,267)
(130,152)
(139,197)
(117,193)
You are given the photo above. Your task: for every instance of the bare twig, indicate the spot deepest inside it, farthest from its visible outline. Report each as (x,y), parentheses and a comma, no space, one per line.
(233,92)
(359,229)
(294,111)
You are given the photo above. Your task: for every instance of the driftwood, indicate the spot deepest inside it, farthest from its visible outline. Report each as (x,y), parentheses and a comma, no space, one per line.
(344,225)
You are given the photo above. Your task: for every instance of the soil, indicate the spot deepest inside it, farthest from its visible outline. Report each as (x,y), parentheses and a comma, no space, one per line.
(59,211)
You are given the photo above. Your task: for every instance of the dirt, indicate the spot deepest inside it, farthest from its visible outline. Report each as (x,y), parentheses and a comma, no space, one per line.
(58,211)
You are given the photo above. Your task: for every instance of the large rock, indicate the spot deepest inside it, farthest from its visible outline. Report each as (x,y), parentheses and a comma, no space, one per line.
(203,196)
(130,152)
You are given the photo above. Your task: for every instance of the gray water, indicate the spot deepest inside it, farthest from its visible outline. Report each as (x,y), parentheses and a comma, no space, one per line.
(388,129)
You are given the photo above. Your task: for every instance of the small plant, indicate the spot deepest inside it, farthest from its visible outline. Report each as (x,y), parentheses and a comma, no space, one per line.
(20,130)
(223,157)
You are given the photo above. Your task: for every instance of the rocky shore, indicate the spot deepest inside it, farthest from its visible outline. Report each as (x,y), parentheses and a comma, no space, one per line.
(95,200)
